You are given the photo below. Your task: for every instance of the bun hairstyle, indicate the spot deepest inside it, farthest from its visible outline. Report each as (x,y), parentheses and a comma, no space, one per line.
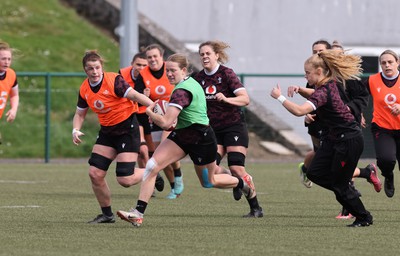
(336,45)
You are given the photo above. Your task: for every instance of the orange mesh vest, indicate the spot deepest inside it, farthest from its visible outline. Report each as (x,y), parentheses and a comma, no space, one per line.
(383,97)
(110,108)
(159,88)
(5,88)
(126,74)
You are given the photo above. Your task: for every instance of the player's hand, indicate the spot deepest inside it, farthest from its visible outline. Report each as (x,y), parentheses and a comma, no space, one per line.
(11,114)
(220,97)
(394,109)
(146,92)
(150,108)
(309,118)
(276,92)
(75,136)
(292,90)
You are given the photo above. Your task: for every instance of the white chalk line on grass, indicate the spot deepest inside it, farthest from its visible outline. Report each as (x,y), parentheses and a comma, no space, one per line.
(23,181)
(20,206)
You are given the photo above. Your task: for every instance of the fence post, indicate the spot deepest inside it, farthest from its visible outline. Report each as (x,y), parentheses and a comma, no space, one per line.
(47,119)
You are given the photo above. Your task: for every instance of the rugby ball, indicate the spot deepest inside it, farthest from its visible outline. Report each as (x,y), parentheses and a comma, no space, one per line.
(161,108)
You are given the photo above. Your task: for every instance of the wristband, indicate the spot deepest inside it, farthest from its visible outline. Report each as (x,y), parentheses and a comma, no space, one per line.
(74,131)
(281,99)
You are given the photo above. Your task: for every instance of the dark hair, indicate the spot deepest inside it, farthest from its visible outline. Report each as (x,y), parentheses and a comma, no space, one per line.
(92,55)
(324,42)
(155,46)
(139,55)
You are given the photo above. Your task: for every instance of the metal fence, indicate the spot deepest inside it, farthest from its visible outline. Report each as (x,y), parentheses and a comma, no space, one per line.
(48,77)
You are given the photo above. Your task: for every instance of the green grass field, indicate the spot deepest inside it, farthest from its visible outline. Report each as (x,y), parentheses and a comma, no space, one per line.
(44,209)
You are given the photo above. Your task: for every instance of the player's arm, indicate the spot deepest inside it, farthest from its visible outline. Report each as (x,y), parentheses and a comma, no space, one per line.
(123,89)
(297,110)
(138,97)
(14,103)
(77,121)
(241,98)
(165,121)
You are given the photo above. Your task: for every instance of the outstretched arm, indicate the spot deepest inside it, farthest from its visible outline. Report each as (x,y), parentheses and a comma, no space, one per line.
(297,110)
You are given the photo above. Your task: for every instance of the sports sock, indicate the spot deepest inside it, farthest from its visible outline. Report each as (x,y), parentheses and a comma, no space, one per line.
(141,206)
(304,168)
(364,173)
(172,184)
(253,203)
(240,184)
(107,211)
(177,172)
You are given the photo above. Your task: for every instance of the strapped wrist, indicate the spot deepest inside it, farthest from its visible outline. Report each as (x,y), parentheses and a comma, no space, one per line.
(281,98)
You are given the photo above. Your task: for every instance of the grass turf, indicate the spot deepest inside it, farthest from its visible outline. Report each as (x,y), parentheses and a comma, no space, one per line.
(45,207)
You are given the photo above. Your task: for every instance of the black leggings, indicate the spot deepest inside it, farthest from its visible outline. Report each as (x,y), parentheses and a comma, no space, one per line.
(333,167)
(387,148)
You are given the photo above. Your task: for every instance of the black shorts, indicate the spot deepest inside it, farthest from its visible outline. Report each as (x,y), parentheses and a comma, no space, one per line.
(198,141)
(235,135)
(125,142)
(143,120)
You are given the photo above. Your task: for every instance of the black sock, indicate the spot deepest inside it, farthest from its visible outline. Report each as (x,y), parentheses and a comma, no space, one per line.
(172,184)
(177,172)
(240,184)
(141,206)
(253,203)
(107,211)
(365,173)
(304,168)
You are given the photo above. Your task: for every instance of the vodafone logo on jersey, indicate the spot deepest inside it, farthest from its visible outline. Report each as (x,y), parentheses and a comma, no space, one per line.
(98,104)
(160,90)
(211,89)
(390,98)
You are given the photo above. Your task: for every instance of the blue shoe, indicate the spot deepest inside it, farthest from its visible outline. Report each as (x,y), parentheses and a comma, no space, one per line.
(178,187)
(172,195)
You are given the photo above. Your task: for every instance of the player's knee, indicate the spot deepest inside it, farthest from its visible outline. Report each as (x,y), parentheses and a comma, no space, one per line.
(143,148)
(206,183)
(99,161)
(123,169)
(236,158)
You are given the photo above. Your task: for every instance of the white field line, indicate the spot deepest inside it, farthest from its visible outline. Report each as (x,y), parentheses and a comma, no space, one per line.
(19,206)
(23,181)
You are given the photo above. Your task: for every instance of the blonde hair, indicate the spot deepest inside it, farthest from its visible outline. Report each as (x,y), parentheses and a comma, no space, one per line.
(219,48)
(5,46)
(336,65)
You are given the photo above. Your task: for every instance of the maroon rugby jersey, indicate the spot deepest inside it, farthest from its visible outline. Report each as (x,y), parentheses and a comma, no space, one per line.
(225,81)
(333,112)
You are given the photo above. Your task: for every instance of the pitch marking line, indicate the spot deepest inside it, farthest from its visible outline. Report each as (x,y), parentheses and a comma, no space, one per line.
(20,206)
(23,181)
